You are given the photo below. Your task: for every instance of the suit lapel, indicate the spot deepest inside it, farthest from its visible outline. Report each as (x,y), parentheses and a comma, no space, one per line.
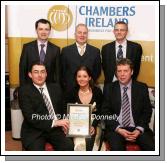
(134,95)
(113,57)
(87,50)
(110,57)
(117,94)
(35,49)
(48,51)
(52,96)
(75,50)
(128,50)
(36,93)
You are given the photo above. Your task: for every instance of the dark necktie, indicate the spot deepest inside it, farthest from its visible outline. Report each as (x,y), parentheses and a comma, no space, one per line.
(120,52)
(125,109)
(48,104)
(42,53)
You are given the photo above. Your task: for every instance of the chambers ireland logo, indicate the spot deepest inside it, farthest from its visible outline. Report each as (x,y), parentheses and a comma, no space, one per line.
(60,17)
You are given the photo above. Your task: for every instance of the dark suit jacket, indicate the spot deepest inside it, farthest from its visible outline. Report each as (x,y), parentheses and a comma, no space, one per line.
(30,54)
(71,60)
(133,52)
(31,102)
(72,97)
(141,106)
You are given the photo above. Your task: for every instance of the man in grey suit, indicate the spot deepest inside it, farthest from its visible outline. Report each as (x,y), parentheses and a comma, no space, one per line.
(40,50)
(43,108)
(79,54)
(120,48)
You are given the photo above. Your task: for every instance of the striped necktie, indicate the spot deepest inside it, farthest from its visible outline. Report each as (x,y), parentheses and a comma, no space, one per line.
(42,53)
(120,52)
(48,104)
(125,109)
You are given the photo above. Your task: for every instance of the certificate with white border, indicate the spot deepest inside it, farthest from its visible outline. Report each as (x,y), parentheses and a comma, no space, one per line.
(80,120)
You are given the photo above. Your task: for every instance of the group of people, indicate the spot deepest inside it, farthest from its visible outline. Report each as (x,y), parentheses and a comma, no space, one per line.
(50,79)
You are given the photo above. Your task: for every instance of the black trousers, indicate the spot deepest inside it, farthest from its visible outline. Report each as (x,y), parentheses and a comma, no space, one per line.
(90,143)
(118,142)
(56,137)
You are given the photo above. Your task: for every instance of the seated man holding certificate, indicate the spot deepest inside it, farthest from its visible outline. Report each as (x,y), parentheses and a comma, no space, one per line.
(85,93)
(40,103)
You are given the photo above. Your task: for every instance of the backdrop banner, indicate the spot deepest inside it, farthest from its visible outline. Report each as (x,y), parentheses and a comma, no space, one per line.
(99,19)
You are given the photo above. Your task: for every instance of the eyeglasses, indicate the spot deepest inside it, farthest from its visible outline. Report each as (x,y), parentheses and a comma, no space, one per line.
(120,30)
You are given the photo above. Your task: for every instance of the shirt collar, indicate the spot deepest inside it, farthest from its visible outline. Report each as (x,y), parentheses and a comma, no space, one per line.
(123,44)
(39,43)
(37,86)
(78,45)
(128,85)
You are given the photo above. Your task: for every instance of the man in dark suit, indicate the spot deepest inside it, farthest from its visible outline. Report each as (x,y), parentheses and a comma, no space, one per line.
(127,103)
(40,50)
(79,54)
(42,108)
(120,48)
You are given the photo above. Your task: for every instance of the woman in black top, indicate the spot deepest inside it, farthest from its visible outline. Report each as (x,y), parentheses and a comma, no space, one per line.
(86,93)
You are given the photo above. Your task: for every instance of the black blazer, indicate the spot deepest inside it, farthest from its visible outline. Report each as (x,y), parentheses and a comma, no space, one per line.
(141,106)
(71,60)
(31,102)
(30,54)
(72,97)
(133,52)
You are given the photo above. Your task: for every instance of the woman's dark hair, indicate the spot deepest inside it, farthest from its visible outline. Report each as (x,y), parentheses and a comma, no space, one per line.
(84,68)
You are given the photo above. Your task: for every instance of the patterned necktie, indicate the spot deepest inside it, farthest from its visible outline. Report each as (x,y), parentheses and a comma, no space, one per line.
(48,104)
(120,52)
(82,50)
(125,109)
(42,53)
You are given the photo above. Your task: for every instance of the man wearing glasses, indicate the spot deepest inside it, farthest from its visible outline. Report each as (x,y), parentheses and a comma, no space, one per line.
(118,49)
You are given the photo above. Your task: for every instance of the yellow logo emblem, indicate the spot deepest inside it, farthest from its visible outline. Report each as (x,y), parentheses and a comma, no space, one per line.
(60,17)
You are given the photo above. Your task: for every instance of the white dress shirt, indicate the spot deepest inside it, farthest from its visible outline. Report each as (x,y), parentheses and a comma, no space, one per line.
(79,47)
(45,91)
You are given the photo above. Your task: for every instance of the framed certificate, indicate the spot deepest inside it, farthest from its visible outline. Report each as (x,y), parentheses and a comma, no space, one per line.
(80,120)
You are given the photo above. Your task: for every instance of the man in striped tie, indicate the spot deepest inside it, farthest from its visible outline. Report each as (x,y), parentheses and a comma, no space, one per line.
(128,100)
(120,48)
(42,107)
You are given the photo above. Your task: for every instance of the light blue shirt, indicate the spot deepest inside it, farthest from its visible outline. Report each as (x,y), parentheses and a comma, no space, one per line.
(129,90)
(39,46)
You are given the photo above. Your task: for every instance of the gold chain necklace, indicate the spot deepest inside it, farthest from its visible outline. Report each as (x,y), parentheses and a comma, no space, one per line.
(84,92)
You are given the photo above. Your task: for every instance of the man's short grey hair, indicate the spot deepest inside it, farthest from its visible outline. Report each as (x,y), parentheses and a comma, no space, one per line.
(80,24)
